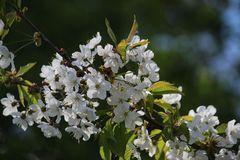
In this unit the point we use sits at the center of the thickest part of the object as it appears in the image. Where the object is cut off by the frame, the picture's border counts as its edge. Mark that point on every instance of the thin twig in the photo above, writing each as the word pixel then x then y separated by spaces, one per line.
pixel 35 28
pixel 17 81
pixel 152 121
pixel 20 41
pixel 25 45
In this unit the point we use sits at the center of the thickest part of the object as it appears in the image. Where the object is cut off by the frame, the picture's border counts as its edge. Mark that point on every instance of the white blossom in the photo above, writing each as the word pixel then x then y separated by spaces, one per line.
pixel 70 80
pixel 135 153
pixel 232 132
pixel 149 68
pixel 173 98
pixel 225 154
pixel 1 26
pixel 119 93
pixel 120 112
pixel 203 121
pixel 22 120
pixel 97 86
pixel 132 54
pixel 85 130
pixel 35 112
pixel 83 58
pixel 86 56
pixel 6 57
pixel 133 118
pixel 112 60
pixel 10 104
pixel 94 41
pixel 144 142
pixel 49 130
pixel 76 100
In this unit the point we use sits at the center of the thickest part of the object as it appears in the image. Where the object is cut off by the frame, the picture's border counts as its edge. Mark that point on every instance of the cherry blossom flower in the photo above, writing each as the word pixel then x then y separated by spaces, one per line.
pixel 144 142
pixel 10 104
pixel 49 131
pixel 6 57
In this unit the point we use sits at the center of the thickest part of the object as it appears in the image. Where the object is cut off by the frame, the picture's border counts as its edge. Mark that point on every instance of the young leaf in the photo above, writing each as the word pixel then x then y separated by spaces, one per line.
pixel 4 33
pixel 122 136
pixel 121 49
pixel 122 46
pixel 161 103
pixel 160 149
pixel 141 43
pixel 10 18
pixel 148 101
pixel 221 128
pixel 128 151
pixel 163 87
pixel 164 116
pixel 105 153
pixel 110 32
pixel 21 96
pixel 187 118
pixel 133 31
pixel 25 69
pixel 25 95
pixel 155 132
pixel 105 149
pixel 2 8
pixel 19 3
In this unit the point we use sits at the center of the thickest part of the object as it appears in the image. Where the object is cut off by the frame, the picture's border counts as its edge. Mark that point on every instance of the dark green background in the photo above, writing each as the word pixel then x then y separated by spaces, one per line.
pixel 69 23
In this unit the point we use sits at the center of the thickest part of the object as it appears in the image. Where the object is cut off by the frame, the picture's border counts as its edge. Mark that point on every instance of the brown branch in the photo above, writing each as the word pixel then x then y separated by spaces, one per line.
pixel 19 81
pixel 21 14
pixel 153 122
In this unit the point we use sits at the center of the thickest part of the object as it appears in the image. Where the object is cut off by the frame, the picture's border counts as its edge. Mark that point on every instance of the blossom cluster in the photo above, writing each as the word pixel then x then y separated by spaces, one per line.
pixel 74 90
pixel 203 131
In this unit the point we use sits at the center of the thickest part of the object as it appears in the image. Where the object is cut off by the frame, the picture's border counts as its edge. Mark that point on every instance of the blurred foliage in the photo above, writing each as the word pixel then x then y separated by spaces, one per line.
pixel 69 23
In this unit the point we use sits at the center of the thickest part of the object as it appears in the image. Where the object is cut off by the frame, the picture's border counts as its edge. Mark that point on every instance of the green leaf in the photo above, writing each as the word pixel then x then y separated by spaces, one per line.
pixel 160 150
pixel 187 118
pixel 141 43
pixel 121 49
pixel 110 32
pixel 105 153
pixel 2 8
pixel 4 33
pixel 21 96
pixel 164 105
pixel 163 87
pixel 25 69
pixel 122 46
pixel 10 18
pixel 155 132
pixel 115 139
pixel 19 3
pixel 133 31
pixel 128 151
pixel 26 96
pixel 105 149
pixel 183 130
pixel 2 72
pixel 3 78
pixel 221 128
pixel 122 135
pixel 148 101
pixel 164 116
